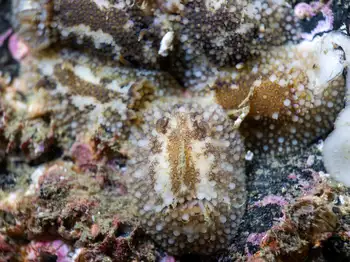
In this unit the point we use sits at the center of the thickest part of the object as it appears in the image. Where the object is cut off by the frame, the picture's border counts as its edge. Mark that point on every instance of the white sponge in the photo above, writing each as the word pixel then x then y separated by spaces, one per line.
pixel 336 149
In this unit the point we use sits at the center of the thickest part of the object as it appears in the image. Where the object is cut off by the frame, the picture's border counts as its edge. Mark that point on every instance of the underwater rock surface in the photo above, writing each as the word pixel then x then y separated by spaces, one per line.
pixel 171 130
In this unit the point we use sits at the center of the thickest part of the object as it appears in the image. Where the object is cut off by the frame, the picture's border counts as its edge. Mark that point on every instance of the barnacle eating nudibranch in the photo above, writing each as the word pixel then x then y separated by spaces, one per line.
pixel 186 38
pixel 72 97
pixel 187 175
pixel 185 170
pixel 295 93
pixel 122 30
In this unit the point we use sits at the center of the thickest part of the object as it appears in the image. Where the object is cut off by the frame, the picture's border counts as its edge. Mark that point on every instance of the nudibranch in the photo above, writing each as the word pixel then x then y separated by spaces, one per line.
pixel 122 30
pixel 295 93
pixel 79 98
pixel 186 170
pixel 187 175
pixel 175 36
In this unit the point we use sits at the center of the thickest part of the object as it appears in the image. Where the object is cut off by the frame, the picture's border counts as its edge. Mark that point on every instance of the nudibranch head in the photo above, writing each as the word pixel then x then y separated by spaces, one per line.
pixel 187 176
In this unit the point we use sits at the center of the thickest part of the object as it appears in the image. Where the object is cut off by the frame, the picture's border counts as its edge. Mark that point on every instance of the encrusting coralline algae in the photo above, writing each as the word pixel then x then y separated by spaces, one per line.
pixel 154 105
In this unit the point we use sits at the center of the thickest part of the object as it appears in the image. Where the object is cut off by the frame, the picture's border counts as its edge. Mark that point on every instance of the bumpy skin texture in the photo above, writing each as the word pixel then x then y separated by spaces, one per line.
pixel 296 92
pixel 206 33
pixel 80 99
pixel 83 100
pixel 114 29
pixel 231 31
pixel 187 176
pixel 186 171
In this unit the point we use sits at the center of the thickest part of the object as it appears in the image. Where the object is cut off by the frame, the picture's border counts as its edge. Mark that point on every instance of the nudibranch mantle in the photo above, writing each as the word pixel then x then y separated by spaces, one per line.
pixel 187 175
pixel 297 90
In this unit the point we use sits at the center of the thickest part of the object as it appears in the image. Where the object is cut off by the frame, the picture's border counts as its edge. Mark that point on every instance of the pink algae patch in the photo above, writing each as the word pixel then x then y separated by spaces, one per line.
pixel 17 47
pixel 4 36
pixel 56 247
pixel 271 199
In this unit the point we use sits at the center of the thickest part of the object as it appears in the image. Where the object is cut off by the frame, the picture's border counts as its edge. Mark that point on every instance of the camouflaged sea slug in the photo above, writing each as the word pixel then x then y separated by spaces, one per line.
pixel 295 93
pixel 204 34
pixel 185 167
pixel 185 170
pixel 187 175
pixel 79 99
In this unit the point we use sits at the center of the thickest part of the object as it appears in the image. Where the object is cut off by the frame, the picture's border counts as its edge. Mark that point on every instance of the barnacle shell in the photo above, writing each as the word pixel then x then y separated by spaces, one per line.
pixel 186 175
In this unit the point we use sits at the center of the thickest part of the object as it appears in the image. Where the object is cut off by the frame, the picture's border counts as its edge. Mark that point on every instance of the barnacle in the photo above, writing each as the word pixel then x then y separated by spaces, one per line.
pixel 186 175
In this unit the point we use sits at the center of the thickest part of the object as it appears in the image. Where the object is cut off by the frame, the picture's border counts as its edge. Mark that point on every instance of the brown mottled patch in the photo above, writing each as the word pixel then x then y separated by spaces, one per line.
pixel 229 93
pixel 156 146
pixel 152 172
pixel 46 83
pixel 181 163
pixel 77 86
pixel 141 93
pixel 109 21
pixel 267 99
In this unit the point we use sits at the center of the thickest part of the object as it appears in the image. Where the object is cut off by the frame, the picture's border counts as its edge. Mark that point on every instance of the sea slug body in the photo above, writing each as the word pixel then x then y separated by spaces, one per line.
pixel 188 39
pixel 187 175
pixel 296 93
pixel 81 99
